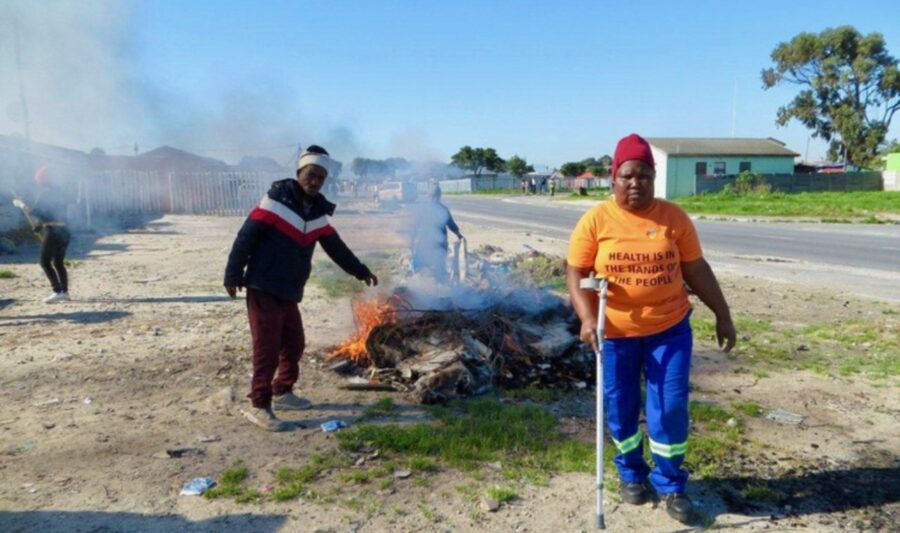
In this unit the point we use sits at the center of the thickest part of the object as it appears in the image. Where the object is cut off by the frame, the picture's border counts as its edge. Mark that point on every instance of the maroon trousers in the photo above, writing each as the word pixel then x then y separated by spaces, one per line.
pixel 278 342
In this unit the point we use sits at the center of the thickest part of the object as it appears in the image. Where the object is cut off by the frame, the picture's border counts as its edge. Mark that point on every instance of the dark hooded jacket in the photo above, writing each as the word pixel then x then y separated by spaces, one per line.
pixel 274 248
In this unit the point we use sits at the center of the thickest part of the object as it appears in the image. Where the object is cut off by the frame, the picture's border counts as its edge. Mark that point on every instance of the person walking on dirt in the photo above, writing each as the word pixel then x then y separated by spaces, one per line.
pixel 429 243
pixel 49 217
pixel 647 248
pixel 275 246
pixel 552 185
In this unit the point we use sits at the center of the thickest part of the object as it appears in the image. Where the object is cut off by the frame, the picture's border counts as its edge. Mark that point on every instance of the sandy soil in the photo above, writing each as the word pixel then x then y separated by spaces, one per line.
pixel 150 354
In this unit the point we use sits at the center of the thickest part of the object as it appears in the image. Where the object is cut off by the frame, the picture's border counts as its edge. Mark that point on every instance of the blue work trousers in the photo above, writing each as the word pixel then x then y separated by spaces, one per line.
pixel 664 362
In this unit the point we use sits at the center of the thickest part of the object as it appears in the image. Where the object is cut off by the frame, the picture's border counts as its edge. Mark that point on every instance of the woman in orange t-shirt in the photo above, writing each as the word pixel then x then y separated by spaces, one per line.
pixel 648 249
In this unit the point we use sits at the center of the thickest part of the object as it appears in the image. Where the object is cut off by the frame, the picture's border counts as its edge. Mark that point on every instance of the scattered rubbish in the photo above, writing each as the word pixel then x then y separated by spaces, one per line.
pixel 87 400
pixel 267 488
pixel 361 384
pixel 45 403
pixel 7 422
pixel 498 466
pixel 785 417
pixel 731 422
pixel 402 474
pixel 803 348
pixel 208 438
pixel 333 425
pixel 197 486
pixel 26 447
pixel 183 452
pixel 48 425
pixel 340 366
pixel 148 280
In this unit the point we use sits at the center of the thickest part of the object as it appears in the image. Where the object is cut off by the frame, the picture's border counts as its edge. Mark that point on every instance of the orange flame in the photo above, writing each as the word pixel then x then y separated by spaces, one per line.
pixel 367 315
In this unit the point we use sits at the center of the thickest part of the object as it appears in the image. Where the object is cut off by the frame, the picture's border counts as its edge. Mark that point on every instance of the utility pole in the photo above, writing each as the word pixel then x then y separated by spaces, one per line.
pixel 16 46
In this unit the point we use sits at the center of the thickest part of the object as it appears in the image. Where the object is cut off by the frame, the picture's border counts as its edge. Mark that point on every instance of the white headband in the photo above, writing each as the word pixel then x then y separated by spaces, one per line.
pixel 309 158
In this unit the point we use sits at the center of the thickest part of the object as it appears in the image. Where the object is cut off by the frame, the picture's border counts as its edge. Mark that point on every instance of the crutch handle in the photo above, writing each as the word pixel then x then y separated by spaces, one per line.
pixel 594 284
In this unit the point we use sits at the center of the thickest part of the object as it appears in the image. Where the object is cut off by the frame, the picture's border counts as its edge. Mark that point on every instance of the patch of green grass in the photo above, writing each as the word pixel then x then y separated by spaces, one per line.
pixel 292 481
pixel 7 274
pixel 713 443
pixel 69 263
pixel 542 270
pixel 352 503
pixel 427 513
pixel 384 406
pixel 465 434
pixel 501 494
pixel 469 491
pixel 535 394
pixel 708 413
pixel 249 496
pixel 760 374
pixel 422 464
pixel 358 477
pixel 748 408
pixel 230 483
pixel 860 205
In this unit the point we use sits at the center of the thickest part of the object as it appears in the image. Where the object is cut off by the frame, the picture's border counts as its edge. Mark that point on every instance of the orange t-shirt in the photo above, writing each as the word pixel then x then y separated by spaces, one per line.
pixel 641 253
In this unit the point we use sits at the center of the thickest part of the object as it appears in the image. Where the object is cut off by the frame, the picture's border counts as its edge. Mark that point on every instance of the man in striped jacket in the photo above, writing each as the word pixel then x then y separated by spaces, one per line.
pixel 272 258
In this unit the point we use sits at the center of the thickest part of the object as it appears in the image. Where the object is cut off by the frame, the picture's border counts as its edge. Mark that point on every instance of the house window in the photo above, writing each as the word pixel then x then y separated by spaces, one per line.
pixel 719 168
pixel 744 166
pixel 700 168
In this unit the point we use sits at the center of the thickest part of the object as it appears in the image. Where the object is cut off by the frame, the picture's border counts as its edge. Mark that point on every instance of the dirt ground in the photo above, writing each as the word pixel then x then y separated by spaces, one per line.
pixel 150 355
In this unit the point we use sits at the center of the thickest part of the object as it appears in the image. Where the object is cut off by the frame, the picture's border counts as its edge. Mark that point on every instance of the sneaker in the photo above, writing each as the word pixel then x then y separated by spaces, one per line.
pixel 56 297
pixel 290 402
pixel 634 493
pixel 264 418
pixel 680 507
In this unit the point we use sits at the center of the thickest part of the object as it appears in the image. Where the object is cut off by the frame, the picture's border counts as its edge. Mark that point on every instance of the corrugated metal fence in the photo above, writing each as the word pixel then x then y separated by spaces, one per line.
pixel 195 193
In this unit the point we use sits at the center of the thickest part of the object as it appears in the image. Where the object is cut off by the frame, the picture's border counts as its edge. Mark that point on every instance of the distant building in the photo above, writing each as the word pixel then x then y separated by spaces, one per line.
pixel 892 162
pixel 681 161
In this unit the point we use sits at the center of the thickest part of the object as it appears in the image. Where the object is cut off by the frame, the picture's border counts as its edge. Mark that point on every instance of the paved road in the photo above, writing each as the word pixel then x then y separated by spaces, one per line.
pixel 863 259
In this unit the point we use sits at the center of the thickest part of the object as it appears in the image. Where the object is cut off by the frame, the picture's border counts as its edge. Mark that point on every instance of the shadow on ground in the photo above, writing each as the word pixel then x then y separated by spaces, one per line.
pixel 85 242
pixel 22 521
pixel 204 299
pixel 78 317
pixel 813 492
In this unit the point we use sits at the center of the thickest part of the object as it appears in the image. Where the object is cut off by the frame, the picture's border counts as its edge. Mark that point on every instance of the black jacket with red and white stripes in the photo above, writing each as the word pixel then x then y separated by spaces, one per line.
pixel 276 243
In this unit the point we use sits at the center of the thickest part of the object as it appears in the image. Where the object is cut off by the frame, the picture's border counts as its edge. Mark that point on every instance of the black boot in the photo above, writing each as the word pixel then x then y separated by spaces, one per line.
pixel 679 507
pixel 634 493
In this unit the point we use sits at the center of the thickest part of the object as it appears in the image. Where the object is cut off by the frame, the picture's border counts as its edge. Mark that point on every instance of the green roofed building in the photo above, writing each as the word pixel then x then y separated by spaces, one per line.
pixel 681 160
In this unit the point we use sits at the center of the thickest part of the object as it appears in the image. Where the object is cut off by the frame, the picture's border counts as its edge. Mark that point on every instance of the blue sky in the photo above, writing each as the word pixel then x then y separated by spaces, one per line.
pixel 551 81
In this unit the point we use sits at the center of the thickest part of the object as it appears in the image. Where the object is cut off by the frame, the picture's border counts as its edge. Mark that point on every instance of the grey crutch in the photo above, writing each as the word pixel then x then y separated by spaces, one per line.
pixel 599 285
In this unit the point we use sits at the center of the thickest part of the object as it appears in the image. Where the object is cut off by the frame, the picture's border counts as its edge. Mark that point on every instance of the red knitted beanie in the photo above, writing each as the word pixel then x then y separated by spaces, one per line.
pixel 632 148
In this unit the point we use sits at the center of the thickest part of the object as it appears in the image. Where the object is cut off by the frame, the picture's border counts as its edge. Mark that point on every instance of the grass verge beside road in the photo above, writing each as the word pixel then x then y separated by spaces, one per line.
pixel 860 206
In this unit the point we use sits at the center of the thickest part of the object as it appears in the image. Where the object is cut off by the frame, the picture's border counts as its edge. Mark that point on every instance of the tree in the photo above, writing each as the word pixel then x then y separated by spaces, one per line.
pixel 477 160
pixel 852 89
pixel 597 170
pixel 572 169
pixel 518 167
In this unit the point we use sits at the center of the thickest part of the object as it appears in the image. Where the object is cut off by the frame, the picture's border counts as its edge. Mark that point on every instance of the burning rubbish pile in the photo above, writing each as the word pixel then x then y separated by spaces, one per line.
pixel 464 340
